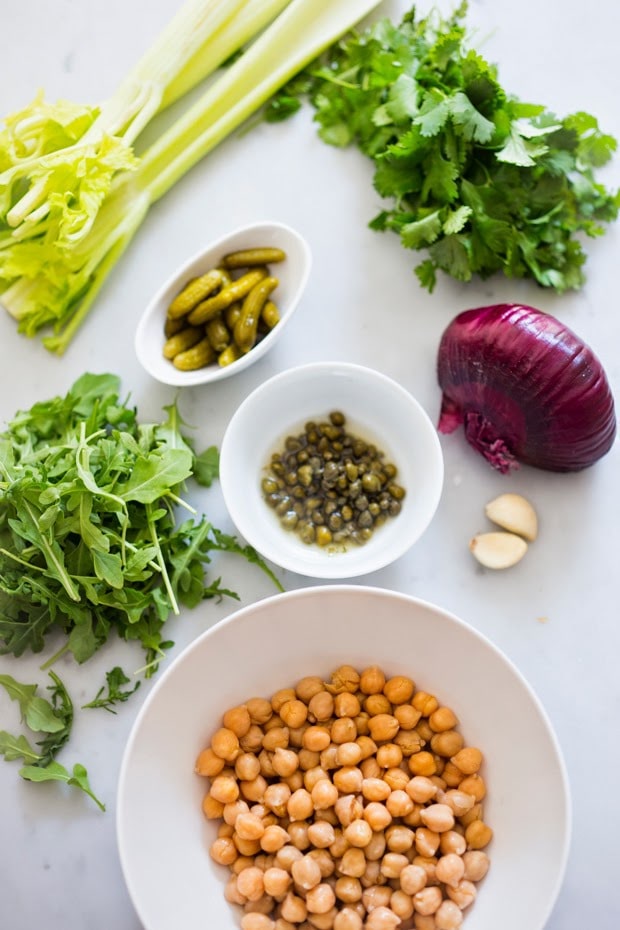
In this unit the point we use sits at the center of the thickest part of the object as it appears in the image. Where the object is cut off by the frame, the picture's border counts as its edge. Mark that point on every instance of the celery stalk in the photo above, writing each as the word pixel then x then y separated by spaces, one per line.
pixel 57 275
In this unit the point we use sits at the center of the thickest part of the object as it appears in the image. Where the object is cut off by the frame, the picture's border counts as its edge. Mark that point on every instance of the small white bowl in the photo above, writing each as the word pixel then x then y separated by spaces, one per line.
pixel 378 410
pixel 291 273
pixel 163 837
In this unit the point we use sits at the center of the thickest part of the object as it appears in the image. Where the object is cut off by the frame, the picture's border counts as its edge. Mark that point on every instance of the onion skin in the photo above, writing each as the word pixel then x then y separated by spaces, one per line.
pixel 525 388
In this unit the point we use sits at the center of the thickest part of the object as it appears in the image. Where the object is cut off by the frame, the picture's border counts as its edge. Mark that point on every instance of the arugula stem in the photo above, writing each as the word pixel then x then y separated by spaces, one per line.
pixel 160 558
pixel 53 659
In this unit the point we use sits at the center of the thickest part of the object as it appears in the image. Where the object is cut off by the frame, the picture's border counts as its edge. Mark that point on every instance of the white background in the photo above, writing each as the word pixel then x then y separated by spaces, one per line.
pixel 58 860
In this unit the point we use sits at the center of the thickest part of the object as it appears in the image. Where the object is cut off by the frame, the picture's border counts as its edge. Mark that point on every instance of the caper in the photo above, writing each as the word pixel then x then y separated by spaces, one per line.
pixel 361 502
pixel 396 491
pixel 290 520
pixel 269 485
pixel 304 475
pixel 370 482
pixel 337 418
pixel 323 536
pixel 365 519
pixel 306 532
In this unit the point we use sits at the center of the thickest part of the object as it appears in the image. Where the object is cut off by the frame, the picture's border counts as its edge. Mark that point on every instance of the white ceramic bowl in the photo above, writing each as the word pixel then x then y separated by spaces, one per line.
pixel 377 409
pixel 291 273
pixel 162 836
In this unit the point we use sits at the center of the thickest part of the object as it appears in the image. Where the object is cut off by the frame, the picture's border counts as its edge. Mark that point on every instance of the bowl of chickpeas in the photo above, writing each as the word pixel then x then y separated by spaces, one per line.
pixel 331 469
pixel 343 757
pixel 225 307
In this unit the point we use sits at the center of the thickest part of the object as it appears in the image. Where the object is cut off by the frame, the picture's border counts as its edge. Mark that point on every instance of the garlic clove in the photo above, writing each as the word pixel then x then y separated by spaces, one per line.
pixel 498 550
pixel 514 513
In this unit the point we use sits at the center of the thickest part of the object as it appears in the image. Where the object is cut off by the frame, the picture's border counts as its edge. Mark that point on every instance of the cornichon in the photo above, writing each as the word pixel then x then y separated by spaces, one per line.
pixel 236 290
pixel 196 291
pixel 197 356
pixel 247 257
pixel 246 326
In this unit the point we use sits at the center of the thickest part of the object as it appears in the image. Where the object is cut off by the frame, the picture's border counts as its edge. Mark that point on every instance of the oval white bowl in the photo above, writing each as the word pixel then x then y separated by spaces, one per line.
pixel 292 275
pixel 163 837
pixel 377 408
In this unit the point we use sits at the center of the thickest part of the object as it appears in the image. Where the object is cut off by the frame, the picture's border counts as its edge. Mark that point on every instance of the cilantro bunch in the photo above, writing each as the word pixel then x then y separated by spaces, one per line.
pixel 89 541
pixel 478 179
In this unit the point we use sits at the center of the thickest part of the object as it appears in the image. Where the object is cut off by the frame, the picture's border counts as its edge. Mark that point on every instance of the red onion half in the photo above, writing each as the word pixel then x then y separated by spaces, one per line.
pixel 526 389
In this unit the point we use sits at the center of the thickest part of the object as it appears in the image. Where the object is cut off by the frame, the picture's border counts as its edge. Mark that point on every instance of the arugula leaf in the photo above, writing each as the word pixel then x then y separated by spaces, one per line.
pixel 479 180
pixel 17 747
pixel 116 680
pixel 57 772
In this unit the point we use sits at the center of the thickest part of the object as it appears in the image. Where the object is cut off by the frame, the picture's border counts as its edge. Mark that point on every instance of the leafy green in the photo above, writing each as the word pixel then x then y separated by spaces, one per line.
pixel 116 679
pixel 89 541
pixel 52 718
pixel 479 180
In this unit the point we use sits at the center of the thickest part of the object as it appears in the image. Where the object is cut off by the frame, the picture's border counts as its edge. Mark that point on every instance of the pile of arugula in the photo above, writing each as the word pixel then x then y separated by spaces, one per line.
pixel 89 545
pixel 480 180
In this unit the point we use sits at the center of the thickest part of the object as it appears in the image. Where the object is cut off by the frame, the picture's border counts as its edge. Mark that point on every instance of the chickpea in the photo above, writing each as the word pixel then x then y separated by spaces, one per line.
pixel 450 869
pixel 253 739
pixel 307 687
pixel 399 838
pixel 321 706
pixel 225 829
pixel 246 847
pixel 347 919
pixel 427 900
pixel 390 755
pixel 371 768
pixel 476 865
pixel 294 713
pixel 382 918
pixel 376 896
pixel 358 833
pixel 452 842
pixel 276 738
pixel 426 703
pixel 320 899
pixel 348 779
pixel 306 873
pixel 353 863
pixel 321 921
pixel 367 746
pixel 372 680
pixel 285 762
pixel 421 789
pixel 343 730
pixel 402 904
pixel 294 781
pixel 293 908
pixel 375 789
pixel 223 850
pixel 208 763
pixel 225 744
pixel 345 678
pixel 316 738
pixel 407 715
pixel 442 719
pixel 474 785
pixel 478 835
pixel 349 754
pixel 413 819
pixel 238 720
pixel 232 895
pixel 413 878
pixel 346 705
pixel 376 704
pixel 423 730
pixel 422 763
pixel 298 832
pixel 250 883
pixel 276 881
pixel 255 921
pixel 420 922
pixel 459 801
pixel 274 838
pixel 372 875
pixel 308 759
pixel 392 864
pixel 249 827
pixel 399 689
pixel 468 760
pixel 211 808
pixel 254 790
pixel 348 890
pixel 299 805
pixel 247 766
pixel 324 794
pixel 340 844
pixel 286 856
pixel 321 834
pixel 447 743
pixel 231 811
pixel 377 815
pixel 329 757
pixel 448 916
pixel 399 804
pixel 409 742
pixel 396 778
pixel 259 709
pixel 463 894
pixel 240 863
pixel 426 841
pixel 376 848
pixel 438 817
pixel 224 788
pixel 266 764
pixel 280 697
pixel 361 723
pixel 474 814
pixel 348 808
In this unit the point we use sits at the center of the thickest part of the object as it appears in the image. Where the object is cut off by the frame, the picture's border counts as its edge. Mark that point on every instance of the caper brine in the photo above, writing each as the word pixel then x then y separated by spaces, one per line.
pixel 330 487
pixel 221 315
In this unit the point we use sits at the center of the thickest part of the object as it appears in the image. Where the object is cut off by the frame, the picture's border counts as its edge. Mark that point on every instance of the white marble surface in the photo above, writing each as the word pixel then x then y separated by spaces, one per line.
pixel 58 861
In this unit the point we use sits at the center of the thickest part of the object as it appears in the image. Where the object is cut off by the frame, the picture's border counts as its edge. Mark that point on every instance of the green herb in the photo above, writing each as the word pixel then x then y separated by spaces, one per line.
pixel 53 719
pixel 478 179
pixel 89 542
pixel 116 680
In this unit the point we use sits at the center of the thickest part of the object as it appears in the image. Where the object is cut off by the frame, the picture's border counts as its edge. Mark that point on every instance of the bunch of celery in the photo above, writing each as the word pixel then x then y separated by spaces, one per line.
pixel 72 190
